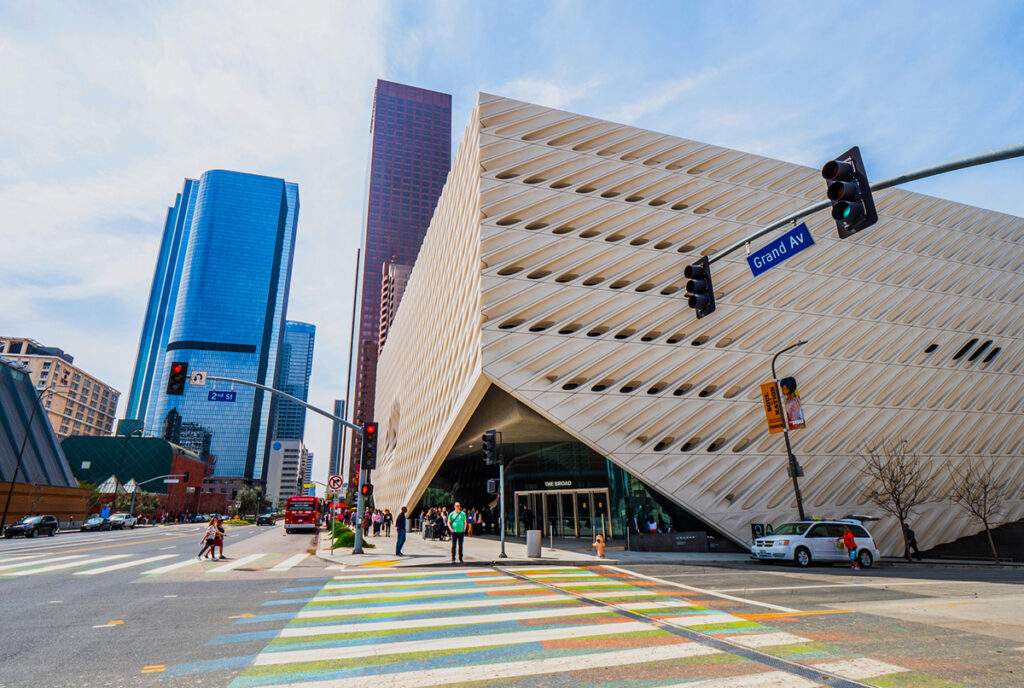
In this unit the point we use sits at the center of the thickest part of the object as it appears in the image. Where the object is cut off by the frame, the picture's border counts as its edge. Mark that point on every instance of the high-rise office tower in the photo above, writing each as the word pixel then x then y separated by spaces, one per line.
pixel 296 366
pixel 218 302
pixel 334 467
pixel 411 130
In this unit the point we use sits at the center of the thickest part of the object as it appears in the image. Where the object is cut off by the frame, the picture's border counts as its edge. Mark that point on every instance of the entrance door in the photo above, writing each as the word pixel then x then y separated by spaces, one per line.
pixel 552 516
pixel 584 514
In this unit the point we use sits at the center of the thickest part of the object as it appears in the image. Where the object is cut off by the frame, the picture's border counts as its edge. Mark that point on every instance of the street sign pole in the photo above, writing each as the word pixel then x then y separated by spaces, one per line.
pixel 357 546
pixel 793 466
pixel 501 492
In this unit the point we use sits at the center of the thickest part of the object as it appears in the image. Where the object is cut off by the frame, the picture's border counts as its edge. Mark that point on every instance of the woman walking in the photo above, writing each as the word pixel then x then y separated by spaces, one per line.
pixel 208 539
pixel 218 541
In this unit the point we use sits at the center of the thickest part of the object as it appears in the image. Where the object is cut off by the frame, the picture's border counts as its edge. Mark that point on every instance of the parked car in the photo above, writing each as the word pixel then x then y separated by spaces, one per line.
pixel 96 523
pixel 267 519
pixel 30 526
pixel 805 542
pixel 122 521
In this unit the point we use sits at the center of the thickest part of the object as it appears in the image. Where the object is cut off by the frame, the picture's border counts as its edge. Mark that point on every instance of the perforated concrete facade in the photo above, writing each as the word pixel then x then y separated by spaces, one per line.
pixel 553 269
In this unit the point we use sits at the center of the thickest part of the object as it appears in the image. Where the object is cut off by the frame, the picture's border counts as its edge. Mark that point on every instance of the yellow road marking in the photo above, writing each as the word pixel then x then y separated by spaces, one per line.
pixel 153 669
pixel 110 624
pixel 379 563
pixel 813 612
pixel 123 544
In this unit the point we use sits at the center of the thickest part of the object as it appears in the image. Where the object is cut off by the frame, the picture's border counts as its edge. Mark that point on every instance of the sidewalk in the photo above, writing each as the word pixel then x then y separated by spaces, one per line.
pixel 484 549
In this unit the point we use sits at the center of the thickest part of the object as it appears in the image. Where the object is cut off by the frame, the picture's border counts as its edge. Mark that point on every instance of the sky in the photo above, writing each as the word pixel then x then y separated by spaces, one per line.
pixel 106 107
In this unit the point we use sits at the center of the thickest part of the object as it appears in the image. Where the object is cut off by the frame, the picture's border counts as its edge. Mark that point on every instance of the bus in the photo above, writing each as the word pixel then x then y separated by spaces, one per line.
pixel 301 513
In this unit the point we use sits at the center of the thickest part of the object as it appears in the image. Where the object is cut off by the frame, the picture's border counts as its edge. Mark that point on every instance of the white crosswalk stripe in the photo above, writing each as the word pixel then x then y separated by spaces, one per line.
pixel 123 565
pixel 171 567
pixel 39 560
pixel 234 564
pixel 69 564
pixel 291 561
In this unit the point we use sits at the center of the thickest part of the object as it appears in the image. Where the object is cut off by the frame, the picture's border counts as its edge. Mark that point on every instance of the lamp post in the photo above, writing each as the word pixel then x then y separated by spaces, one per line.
pixel 131 511
pixel 21 452
pixel 793 466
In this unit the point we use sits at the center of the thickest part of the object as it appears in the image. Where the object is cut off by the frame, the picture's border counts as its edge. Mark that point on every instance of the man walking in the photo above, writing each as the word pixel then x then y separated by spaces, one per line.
pixel 400 530
pixel 911 537
pixel 457 526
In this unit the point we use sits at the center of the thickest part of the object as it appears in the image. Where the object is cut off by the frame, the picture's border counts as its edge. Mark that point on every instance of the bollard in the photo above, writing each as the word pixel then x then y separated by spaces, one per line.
pixel 533 542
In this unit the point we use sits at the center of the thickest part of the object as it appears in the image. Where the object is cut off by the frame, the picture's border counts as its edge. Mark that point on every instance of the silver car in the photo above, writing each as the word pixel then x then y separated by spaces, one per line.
pixel 805 542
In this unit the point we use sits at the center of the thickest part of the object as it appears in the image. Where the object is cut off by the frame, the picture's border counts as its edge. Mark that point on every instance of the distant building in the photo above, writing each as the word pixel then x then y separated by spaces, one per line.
pixel 296 367
pixel 337 437
pixel 307 476
pixel 411 130
pixel 218 302
pixel 44 483
pixel 285 470
pixel 396 276
pixel 79 404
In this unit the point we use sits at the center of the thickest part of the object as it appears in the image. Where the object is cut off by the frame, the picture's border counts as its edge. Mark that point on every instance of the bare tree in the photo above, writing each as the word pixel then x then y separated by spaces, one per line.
pixel 895 481
pixel 977 490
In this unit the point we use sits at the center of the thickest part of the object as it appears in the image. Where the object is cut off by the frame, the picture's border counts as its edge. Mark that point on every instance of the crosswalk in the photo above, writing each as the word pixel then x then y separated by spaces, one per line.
pixel 148 565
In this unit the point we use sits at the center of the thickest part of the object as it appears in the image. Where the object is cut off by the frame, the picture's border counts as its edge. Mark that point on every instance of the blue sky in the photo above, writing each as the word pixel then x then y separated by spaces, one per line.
pixel 105 107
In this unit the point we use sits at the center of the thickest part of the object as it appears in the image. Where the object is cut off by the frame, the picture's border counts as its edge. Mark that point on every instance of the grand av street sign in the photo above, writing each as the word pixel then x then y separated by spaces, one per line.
pixel 783 248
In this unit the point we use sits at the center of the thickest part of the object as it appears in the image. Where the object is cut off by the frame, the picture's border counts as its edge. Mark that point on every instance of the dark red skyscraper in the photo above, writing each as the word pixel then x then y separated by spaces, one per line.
pixel 411 130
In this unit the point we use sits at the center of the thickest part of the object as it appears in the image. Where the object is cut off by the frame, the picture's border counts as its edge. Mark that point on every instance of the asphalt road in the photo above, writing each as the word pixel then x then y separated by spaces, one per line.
pixel 71 627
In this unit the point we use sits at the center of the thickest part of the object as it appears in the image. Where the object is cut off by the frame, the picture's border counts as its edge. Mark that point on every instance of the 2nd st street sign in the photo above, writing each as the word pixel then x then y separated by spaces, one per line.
pixel 783 248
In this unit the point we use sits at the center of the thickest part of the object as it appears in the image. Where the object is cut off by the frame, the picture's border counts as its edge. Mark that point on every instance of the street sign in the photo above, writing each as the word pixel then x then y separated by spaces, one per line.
pixel 220 395
pixel 309 484
pixel 335 482
pixel 170 480
pixel 772 407
pixel 783 248
pixel 197 377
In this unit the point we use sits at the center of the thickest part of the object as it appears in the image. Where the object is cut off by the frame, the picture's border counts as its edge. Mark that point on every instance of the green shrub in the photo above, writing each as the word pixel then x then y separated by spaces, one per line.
pixel 345 537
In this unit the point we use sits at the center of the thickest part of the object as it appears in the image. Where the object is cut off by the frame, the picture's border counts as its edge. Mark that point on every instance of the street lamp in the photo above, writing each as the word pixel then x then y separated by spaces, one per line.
pixel 131 510
pixel 793 466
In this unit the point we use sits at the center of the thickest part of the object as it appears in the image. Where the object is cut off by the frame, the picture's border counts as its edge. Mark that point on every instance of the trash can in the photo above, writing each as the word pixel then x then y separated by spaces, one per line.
pixel 533 544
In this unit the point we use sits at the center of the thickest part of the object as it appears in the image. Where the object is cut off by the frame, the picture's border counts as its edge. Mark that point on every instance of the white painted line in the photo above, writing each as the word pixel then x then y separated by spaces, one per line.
pixel 467 604
pixel 619 593
pixel 417 584
pixel 168 547
pixel 40 560
pixel 303 631
pixel 691 620
pixel 503 670
pixel 703 591
pixel 765 639
pixel 418 574
pixel 69 564
pixel 290 562
pixel 835 585
pixel 856 669
pixel 339 567
pixel 545 576
pixel 171 567
pixel 232 565
pixel 767 679
pixel 449 643
pixel 6 560
pixel 56 601
pixel 426 593
pixel 588 584
pixel 124 565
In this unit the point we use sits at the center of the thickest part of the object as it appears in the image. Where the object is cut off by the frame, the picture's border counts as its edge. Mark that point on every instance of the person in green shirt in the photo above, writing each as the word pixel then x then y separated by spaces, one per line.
pixel 457 526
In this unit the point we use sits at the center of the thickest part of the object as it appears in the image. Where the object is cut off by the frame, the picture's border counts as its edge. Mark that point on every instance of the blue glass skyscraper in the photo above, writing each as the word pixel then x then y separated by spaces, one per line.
pixel 218 302
pixel 296 366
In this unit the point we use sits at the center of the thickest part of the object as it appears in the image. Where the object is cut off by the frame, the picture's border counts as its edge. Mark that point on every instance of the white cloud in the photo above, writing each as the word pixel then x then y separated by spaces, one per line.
pixel 551 93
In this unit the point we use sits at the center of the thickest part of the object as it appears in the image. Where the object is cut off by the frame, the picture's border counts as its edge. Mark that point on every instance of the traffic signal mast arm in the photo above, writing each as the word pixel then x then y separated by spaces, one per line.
pixel 960 163
pixel 289 397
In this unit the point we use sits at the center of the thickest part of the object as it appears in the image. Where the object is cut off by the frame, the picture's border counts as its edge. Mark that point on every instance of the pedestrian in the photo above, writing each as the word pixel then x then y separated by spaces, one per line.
pixel 850 543
pixel 400 532
pixel 376 522
pixel 218 541
pixel 385 522
pixel 470 518
pixel 457 528
pixel 208 539
pixel 911 537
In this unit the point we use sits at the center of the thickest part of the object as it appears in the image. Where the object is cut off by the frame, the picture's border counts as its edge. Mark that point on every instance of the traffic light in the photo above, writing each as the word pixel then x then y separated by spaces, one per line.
pixel 370 446
pixel 700 293
pixel 177 379
pixel 853 208
pixel 367 489
pixel 491 447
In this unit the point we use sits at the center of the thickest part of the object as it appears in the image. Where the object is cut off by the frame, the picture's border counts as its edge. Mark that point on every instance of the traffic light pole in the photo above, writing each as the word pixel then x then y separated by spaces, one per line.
pixel 793 466
pixel 996 155
pixel 357 546
pixel 501 492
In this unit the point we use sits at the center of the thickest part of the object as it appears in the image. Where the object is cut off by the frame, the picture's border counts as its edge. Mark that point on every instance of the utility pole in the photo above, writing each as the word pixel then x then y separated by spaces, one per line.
pixel 501 491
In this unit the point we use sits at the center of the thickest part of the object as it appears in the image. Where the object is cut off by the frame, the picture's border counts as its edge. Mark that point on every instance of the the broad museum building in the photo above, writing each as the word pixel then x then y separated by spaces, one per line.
pixel 547 303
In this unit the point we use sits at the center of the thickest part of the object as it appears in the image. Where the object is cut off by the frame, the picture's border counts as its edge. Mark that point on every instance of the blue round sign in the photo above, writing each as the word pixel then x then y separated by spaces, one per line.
pixel 277 445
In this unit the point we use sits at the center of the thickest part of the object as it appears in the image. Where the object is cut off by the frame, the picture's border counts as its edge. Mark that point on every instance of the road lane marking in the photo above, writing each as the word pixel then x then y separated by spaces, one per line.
pixel 171 567
pixel 123 565
pixel 69 564
pixel 418 594
pixel 169 547
pixel 125 544
pixel 449 643
pixel 468 604
pixel 417 584
pixel 858 668
pixel 231 566
pixel 290 562
pixel 37 561
pixel 416 574
pixel 110 624
pixel 861 584
pixel 777 615
pixel 767 679
pixel 434 621
pixel 153 668
pixel 766 639
pixel 506 670
pixel 702 591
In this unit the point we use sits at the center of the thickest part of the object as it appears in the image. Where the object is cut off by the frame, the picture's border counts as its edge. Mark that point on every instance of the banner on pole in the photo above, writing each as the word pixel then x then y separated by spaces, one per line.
pixel 772 407
pixel 791 405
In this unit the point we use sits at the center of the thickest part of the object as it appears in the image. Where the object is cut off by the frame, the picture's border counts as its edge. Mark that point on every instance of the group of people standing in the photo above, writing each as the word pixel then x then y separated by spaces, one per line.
pixel 435 522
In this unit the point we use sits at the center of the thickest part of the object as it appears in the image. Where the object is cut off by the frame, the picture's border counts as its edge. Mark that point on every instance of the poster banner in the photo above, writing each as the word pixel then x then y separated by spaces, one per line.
pixel 772 408
pixel 791 404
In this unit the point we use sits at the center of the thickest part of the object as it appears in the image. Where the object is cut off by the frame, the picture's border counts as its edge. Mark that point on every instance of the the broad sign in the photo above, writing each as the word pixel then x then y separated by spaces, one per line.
pixel 786 246
pixel 197 377
pixel 220 395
